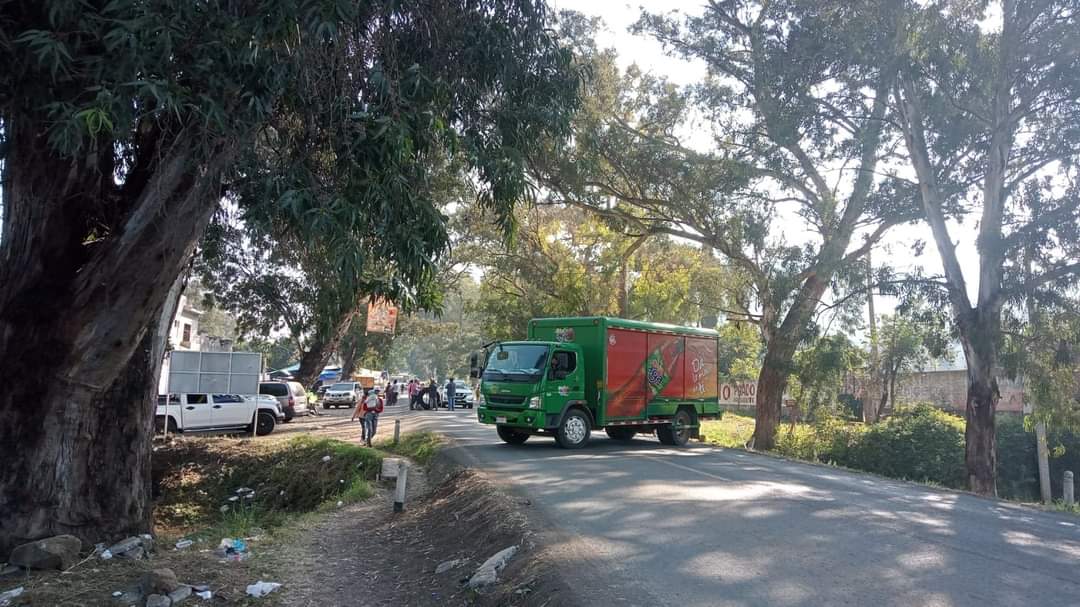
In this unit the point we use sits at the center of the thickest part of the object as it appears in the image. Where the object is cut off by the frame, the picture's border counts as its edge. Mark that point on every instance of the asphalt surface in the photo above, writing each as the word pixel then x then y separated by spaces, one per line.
pixel 654 525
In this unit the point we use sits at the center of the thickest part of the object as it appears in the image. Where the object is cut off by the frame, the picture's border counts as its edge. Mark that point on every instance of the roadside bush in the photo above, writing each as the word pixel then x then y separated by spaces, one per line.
pixel 1017 463
pixel 919 443
pixel 829 440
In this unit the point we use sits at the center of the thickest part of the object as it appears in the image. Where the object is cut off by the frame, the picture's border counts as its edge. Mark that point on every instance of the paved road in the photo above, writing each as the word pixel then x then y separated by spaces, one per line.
pixel 708 526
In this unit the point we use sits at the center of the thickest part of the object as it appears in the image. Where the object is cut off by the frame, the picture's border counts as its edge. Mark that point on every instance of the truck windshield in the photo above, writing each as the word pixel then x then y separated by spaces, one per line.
pixel 516 362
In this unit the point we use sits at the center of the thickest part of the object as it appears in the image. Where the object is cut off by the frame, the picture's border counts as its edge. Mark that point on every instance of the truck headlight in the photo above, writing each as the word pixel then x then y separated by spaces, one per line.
pixel 534 402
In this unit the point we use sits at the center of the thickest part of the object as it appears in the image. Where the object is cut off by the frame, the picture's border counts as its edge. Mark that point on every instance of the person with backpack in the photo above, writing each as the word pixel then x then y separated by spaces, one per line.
pixel 372 407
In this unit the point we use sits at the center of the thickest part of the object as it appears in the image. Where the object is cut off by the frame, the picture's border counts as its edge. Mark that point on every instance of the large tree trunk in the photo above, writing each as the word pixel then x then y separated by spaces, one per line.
pixel 318 354
pixel 779 351
pixel 979 335
pixel 77 330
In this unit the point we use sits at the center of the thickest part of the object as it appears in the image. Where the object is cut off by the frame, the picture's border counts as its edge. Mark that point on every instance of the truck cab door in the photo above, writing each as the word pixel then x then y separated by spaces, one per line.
pixel 196 412
pixel 565 379
pixel 231 410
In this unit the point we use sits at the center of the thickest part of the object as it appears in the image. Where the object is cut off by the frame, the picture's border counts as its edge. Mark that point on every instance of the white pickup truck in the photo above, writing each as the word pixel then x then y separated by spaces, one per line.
pixel 218 413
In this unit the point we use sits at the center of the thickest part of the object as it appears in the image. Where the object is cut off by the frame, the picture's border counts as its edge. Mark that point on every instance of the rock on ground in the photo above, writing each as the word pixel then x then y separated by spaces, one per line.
pixel 158 600
pixel 488 573
pixel 180 594
pixel 57 552
pixel 160 581
pixel 134 547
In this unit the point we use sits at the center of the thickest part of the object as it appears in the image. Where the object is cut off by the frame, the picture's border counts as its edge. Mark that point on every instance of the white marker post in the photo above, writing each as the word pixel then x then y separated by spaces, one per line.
pixel 1067 489
pixel 397 430
pixel 399 488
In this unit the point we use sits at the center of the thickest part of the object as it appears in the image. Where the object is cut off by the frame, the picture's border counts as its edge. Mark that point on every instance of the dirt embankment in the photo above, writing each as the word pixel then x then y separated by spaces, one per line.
pixel 353 550
pixel 365 555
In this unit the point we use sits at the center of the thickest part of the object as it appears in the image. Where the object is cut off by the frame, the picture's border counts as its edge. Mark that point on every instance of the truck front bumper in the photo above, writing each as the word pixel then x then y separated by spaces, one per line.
pixel 534 419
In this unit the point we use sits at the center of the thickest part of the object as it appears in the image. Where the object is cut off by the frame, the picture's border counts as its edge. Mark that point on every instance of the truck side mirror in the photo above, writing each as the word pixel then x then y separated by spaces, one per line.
pixel 474 365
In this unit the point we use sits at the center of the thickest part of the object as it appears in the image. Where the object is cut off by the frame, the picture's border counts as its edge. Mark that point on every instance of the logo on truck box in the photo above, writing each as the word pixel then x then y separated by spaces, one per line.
pixel 564 335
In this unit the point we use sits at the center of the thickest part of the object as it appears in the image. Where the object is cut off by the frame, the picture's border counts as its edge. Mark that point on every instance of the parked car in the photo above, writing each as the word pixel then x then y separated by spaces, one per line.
pixel 343 394
pixel 254 413
pixel 463 395
pixel 290 394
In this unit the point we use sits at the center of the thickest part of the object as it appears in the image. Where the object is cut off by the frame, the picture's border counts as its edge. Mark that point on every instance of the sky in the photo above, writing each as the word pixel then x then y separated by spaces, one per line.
pixel 898 246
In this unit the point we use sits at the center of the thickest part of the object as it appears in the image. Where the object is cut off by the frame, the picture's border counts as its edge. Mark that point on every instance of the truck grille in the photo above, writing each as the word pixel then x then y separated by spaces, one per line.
pixel 506 400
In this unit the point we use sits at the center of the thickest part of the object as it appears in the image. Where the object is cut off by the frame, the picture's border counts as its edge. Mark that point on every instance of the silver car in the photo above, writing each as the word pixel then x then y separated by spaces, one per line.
pixel 291 395
pixel 342 394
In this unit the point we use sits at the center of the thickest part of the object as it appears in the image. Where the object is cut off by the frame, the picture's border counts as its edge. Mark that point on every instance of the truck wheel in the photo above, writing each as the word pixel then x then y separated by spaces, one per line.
pixel 620 433
pixel 574 430
pixel 326 406
pixel 264 423
pixel 677 433
pixel 512 436
pixel 159 425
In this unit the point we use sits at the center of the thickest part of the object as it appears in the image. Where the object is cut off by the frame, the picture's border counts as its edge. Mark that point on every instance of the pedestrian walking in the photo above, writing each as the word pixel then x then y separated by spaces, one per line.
pixel 450 394
pixel 414 391
pixel 392 394
pixel 358 413
pixel 372 407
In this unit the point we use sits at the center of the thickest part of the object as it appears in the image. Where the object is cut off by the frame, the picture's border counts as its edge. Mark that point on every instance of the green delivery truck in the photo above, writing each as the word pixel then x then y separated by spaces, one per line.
pixel 576 375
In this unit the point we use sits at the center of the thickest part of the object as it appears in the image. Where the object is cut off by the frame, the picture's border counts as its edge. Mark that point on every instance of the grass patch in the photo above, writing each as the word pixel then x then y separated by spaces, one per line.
pixel 733 430
pixel 418 446
pixel 1061 506
pixel 232 488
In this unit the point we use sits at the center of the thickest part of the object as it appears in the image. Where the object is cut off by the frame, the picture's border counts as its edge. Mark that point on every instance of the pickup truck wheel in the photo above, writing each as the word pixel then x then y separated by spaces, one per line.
pixel 620 432
pixel 264 423
pixel 512 436
pixel 159 425
pixel 574 430
pixel 677 433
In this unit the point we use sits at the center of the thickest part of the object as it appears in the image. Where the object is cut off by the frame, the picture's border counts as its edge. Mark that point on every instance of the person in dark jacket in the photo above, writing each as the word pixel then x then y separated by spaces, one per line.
pixel 433 395
pixel 450 394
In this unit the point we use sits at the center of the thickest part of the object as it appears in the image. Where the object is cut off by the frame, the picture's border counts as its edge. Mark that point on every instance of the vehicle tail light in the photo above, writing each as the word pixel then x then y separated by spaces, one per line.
pixel 292 402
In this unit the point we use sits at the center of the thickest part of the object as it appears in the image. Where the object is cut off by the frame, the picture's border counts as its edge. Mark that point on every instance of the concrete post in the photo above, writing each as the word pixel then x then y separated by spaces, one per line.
pixel 399 488
pixel 1068 489
pixel 397 430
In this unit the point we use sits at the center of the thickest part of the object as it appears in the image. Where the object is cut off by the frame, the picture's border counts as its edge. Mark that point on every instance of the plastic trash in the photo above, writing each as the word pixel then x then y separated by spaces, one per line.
pixel 260 589
pixel 205 595
pixel 117 593
pixel 105 554
pixel 340 503
pixel 10 595
pixel 180 545
pixel 326 458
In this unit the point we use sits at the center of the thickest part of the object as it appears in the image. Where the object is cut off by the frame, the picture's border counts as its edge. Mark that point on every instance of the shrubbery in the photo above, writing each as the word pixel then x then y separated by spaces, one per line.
pixel 920 443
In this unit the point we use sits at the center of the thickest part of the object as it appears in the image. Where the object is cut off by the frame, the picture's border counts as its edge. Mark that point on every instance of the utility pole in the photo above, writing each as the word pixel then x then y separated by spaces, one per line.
pixel 873 389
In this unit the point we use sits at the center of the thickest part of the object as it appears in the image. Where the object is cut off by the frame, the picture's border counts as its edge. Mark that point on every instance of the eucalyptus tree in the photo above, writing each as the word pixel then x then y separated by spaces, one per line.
pixel 123 125
pixel 793 192
pixel 990 112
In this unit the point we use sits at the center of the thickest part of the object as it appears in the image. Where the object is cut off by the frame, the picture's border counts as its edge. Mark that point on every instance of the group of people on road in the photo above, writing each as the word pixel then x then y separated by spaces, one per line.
pixel 417 391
